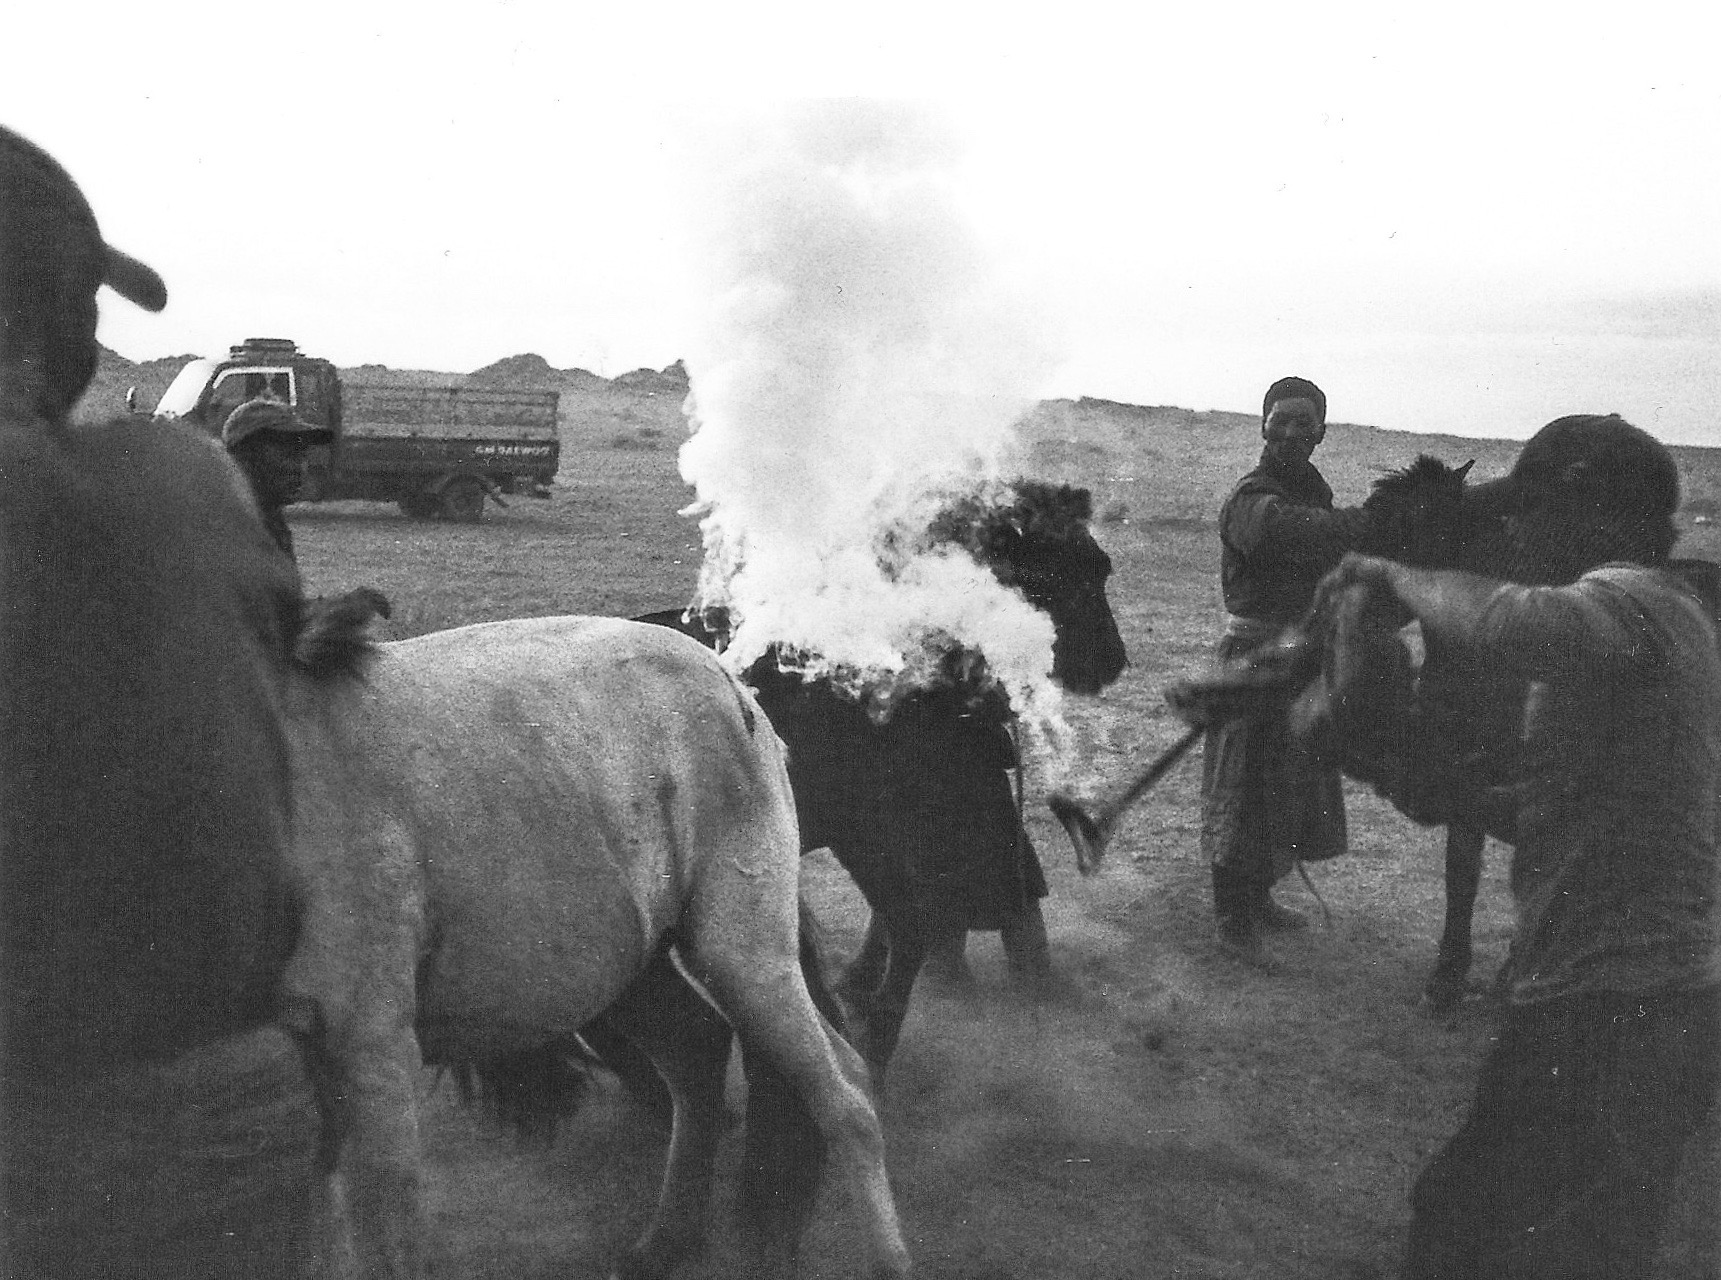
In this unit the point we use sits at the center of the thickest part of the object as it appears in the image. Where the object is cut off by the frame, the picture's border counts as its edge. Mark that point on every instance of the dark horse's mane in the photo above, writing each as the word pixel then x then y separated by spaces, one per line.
pixel 1003 527
pixel 1039 511
pixel 1426 472
pixel 1416 513
pixel 1038 517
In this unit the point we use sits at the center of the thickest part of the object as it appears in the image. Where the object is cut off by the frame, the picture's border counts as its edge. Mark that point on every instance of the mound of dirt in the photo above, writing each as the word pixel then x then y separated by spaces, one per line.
pixel 669 381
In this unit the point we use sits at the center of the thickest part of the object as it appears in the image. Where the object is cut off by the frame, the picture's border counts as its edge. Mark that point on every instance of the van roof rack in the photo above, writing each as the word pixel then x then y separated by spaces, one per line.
pixel 265 346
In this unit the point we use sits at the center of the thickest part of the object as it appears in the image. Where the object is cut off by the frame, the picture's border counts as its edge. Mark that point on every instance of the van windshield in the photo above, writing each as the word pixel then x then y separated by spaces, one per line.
pixel 182 393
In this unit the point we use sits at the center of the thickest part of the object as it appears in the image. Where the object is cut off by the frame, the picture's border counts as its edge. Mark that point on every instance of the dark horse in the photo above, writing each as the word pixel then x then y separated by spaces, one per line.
pixel 920 808
pixel 158 1120
pixel 1355 701
pixel 1465 710
pixel 1466 718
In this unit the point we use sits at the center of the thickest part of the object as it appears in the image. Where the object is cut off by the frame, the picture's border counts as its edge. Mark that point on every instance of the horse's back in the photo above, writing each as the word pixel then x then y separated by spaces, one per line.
pixel 568 785
pixel 604 691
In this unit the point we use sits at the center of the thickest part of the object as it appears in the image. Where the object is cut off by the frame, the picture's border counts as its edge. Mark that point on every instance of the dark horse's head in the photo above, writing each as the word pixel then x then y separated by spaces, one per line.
pixel 1428 514
pixel 1040 544
pixel 1416 514
pixel 146 623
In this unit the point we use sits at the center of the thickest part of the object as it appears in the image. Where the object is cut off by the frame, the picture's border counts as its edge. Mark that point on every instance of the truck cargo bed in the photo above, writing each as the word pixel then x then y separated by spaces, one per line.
pixel 448 412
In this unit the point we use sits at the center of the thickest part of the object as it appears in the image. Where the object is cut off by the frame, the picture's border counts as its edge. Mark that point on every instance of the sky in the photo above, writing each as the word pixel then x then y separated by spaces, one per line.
pixel 1468 219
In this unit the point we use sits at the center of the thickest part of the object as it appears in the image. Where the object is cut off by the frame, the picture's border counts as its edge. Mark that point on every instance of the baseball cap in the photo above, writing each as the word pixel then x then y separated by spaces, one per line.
pixel 53 262
pixel 267 415
pixel 1601 457
pixel 39 202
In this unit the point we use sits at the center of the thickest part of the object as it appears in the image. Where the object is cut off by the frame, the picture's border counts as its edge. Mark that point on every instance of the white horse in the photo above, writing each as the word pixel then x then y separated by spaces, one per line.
pixel 504 830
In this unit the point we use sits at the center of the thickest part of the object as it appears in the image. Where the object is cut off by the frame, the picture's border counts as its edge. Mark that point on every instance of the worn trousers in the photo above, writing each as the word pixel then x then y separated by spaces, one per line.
pixel 1567 1164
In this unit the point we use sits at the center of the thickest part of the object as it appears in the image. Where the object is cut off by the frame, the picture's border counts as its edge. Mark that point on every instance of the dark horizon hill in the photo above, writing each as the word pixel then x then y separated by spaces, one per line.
pixel 1160 462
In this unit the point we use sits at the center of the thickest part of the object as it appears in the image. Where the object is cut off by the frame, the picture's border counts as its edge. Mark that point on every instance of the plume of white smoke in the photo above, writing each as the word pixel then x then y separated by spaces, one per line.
pixel 861 365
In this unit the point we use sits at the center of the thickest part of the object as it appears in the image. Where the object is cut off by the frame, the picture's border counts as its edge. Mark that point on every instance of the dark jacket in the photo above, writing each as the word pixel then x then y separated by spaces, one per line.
pixel 275 521
pixel 1280 535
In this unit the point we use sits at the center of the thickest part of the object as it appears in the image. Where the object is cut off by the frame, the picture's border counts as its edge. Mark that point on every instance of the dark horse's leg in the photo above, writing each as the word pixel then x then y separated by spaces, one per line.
pixel 1445 986
pixel 866 970
pixel 947 959
pixel 881 1009
pixel 1026 948
pixel 1022 933
pixel 1027 952
pixel 688 1041
pixel 877 985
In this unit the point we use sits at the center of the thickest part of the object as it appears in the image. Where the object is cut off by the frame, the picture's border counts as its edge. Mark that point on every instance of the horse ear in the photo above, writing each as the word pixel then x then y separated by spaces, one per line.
pixel 1464 470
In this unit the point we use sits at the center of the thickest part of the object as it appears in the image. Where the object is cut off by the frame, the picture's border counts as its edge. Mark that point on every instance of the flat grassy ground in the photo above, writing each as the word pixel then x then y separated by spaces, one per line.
pixel 1171 1113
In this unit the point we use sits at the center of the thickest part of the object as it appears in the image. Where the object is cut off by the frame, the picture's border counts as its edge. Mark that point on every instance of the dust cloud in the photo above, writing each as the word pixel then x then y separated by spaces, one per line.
pixel 861 364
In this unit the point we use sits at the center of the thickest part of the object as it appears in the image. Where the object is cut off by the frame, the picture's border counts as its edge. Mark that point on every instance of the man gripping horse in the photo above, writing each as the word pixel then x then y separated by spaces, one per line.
pixel 1609 1052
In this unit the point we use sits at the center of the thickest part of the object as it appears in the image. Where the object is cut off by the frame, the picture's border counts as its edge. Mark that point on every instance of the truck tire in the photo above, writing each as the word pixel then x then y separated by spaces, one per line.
pixel 420 506
pixel 463 500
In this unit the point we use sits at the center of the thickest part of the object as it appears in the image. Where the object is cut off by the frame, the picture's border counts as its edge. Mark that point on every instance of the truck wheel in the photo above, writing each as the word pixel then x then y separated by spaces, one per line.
pixel 463 500
pixel 420 506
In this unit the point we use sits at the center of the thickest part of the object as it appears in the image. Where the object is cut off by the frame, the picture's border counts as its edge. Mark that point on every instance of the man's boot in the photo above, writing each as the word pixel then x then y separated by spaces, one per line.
pixel 1238 932
pixel 1273 918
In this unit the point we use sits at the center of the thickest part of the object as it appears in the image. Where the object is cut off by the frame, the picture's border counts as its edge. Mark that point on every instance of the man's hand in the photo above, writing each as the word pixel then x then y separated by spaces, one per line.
pixel 1378 578
pixel 1355 568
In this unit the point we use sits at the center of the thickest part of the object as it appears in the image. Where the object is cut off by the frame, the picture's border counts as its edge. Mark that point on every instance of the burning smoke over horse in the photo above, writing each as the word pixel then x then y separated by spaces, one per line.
pixel 861 368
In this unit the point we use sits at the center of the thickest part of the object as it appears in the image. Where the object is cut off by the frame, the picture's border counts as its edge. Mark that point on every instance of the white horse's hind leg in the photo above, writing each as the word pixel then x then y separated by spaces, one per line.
pixel 761 991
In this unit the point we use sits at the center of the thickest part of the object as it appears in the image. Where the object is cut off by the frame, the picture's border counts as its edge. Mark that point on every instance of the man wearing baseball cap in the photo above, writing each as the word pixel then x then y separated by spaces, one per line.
pixel 126 1149
pixel 1609 1051
pixel 269 443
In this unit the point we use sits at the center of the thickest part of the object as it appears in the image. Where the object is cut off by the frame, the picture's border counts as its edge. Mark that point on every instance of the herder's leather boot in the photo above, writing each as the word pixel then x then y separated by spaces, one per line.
pixel 1238 932
pixel 1272 917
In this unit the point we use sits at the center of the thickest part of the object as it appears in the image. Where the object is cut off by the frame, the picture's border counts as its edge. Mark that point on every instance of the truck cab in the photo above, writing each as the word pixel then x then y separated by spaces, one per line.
pixel 207 391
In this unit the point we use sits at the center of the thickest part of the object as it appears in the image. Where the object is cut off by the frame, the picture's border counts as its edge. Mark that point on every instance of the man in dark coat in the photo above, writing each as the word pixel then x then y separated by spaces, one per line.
pixel 1265 804
pixel 1609 1052
pixel 269 444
